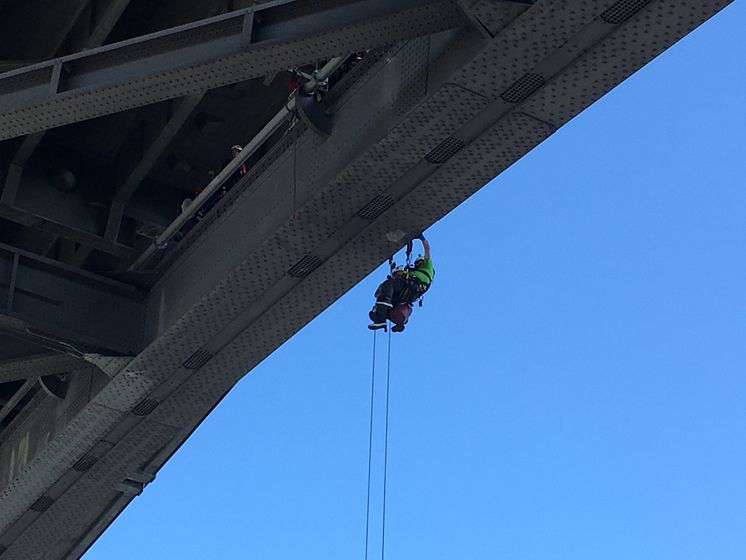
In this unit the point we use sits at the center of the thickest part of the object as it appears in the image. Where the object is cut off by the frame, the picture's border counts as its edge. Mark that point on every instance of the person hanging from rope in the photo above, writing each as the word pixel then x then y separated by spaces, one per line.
pixel 404 286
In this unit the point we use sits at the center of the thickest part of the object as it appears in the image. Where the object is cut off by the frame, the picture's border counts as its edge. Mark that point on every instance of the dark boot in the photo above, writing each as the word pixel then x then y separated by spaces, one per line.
pixel 397 328
pixel 380 312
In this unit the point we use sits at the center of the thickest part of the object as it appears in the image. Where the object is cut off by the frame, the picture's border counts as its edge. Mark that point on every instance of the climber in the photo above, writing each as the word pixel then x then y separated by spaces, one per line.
pixel 404 286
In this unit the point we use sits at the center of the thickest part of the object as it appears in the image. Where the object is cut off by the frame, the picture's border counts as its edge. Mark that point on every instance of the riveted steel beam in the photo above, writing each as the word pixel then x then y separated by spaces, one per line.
pixel 66 309
pixel 42 223
pixel 106 22
pixel 215 52
pixel 37 366
pixel 17 397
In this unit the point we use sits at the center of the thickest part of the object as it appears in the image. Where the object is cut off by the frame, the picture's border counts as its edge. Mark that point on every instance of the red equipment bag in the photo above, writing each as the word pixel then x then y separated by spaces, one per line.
pixel 400 313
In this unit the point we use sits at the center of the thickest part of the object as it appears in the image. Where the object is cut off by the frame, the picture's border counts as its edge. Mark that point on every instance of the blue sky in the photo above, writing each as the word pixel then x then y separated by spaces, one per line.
pixel 588 401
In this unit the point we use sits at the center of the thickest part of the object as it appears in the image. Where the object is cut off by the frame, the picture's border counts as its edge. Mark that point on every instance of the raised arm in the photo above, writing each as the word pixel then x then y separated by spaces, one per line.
pixel 425 245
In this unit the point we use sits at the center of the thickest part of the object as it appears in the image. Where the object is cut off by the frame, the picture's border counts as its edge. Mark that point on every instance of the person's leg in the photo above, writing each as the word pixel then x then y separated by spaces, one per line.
pixel 386 290
pixel 384 298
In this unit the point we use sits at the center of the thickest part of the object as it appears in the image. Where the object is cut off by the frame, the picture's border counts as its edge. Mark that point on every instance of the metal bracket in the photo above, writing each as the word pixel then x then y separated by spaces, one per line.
pixel 135 482
pixel 247 30
pixel 56 81
pixel 54 386
pixel 313 113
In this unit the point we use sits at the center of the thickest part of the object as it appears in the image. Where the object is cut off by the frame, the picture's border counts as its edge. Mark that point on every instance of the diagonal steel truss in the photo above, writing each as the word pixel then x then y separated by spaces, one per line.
pixel 248 43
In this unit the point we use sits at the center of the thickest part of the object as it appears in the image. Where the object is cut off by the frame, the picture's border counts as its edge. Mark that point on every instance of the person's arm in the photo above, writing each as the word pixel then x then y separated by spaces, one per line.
pixel 425 245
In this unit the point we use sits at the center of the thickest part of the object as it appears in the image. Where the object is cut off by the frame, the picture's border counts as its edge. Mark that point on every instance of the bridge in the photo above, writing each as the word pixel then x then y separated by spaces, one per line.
pixel 143 273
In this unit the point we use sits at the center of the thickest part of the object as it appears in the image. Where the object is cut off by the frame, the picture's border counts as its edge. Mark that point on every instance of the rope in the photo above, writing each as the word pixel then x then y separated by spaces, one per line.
pixel 370 444
pixel 386 448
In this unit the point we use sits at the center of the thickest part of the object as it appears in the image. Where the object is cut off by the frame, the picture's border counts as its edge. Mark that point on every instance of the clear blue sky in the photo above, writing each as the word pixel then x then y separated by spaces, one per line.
pixel 587 402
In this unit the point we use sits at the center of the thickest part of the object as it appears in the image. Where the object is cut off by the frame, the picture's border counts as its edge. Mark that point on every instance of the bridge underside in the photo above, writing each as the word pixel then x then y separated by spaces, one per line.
pixel 106 371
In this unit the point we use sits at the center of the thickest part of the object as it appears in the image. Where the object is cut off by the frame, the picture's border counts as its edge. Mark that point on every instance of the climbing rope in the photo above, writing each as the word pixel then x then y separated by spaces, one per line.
pixel 370 444
pixel 385 446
